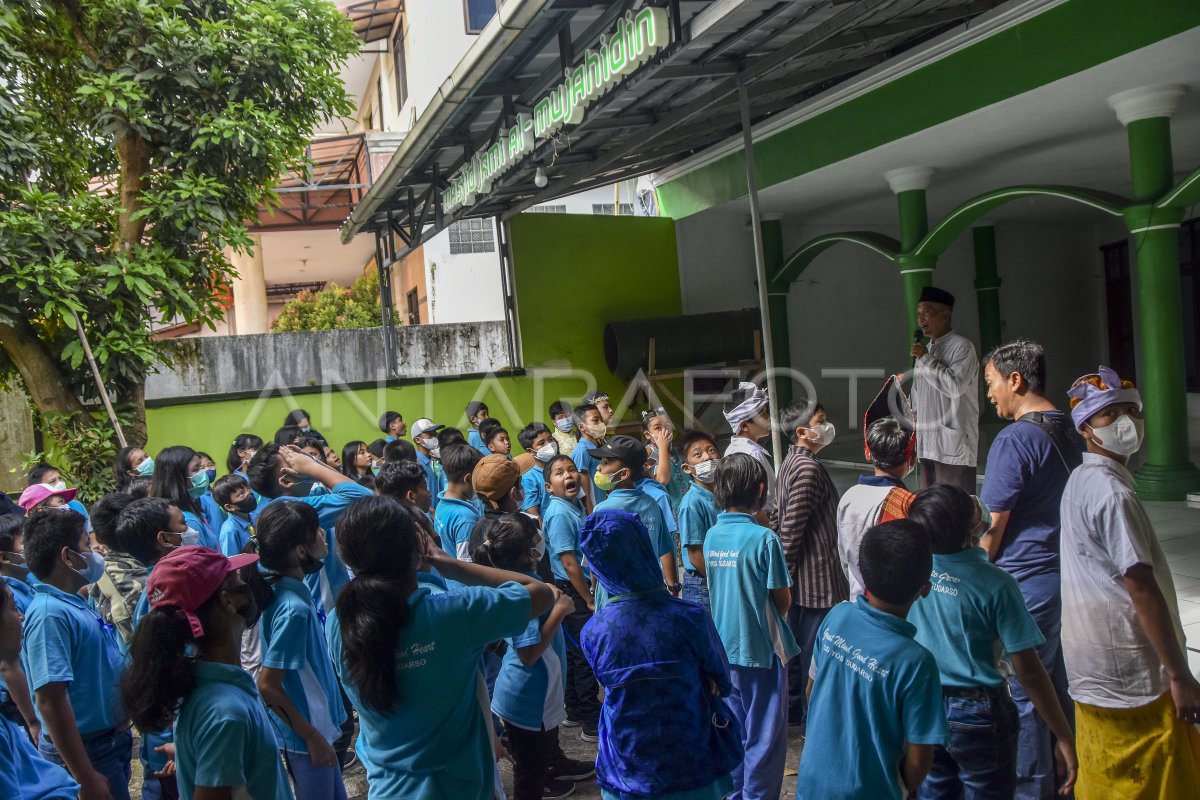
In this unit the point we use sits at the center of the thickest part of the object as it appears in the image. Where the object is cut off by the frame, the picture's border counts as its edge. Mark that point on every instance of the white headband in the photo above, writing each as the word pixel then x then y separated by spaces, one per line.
pixel 748 408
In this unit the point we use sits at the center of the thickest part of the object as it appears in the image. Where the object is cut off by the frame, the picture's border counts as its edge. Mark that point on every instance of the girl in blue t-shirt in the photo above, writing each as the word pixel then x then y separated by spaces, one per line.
pixel 409 658
pixel 297 680
pixel 185 657
pixel 179 477
pixel 530 688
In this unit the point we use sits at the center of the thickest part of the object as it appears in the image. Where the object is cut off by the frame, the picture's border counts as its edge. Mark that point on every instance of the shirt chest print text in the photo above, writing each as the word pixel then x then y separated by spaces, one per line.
pixel 411 656
pixel 941 583
pixel 723 558
pixel 852 657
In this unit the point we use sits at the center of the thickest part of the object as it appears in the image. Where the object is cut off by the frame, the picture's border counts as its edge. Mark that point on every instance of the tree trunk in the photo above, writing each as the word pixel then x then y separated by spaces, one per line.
pixel 133 156
pixel 44 379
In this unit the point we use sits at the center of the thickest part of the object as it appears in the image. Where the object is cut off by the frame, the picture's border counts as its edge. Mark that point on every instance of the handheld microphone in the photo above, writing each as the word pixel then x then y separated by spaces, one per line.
pixel 917 336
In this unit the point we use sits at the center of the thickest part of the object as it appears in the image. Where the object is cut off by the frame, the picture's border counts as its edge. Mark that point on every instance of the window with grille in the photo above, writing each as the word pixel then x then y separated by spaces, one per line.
pixel 555 209
pixel 472 236
pixel 610 209
pixel 401 70
pixel 413 305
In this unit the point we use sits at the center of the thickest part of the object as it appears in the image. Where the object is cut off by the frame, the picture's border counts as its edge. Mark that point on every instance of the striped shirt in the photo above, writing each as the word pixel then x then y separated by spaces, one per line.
pixel 807 523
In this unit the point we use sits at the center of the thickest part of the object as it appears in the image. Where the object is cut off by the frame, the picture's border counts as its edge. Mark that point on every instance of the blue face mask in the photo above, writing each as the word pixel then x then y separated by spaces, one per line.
pixel 211 473
pixel 302 486
pixel 146 468
pixel 199 484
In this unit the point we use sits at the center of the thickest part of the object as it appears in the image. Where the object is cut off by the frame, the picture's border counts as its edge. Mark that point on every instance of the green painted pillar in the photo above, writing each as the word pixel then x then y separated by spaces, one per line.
pixel 987 288
pixel 1154 234
pixel 777 306
pixel 909 185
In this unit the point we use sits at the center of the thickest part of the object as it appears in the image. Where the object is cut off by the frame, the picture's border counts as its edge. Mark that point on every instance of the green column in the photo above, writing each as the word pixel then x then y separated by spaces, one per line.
pixel 777 305
pixel 915 271
pixel 987 288
pixel 1167 474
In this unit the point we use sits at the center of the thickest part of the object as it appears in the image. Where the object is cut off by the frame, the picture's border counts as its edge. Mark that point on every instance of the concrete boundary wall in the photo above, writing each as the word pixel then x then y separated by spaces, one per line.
pixel 231 366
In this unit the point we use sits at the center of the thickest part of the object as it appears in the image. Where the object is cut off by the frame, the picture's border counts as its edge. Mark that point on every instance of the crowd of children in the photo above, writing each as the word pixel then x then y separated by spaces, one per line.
pixel 456 603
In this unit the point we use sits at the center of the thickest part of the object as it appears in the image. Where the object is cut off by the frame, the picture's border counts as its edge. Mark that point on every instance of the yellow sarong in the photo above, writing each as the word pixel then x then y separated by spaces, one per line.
pixel 1127 753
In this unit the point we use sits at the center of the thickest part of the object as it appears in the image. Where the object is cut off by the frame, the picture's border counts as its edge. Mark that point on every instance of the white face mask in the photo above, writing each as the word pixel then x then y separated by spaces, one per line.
pixel 93 566
pixel 59 485
pixel 564 424
pixel 1123 437
pixel 191 538
pixel 706 470
pixel 539 549
pixel 546 452
pixel 435 450
pixel 822 434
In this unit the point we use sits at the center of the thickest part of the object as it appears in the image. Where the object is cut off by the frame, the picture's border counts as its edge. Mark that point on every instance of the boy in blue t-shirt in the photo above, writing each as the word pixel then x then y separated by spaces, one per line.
pixel 26 773
pixel 562 521
pixel 976 606
pixel 750 595
pixel 697 511
pixel 622 462
pixel 591 429
pixel 456 512
pixel 73 660
pixel 539 442
pixel 658 431
pixel 232 493
pixel 874 692
pixel 477 412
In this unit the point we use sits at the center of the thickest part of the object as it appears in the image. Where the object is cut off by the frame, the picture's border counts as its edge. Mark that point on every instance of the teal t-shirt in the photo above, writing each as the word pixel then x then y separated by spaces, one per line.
pixel 533 483
pixel 67 642
pixel 533 697
pixel 208 538
pixel 22 595
pixel 874 688
pixel 434 742
pixel 236 533
pixel 973 605
pixel 697 513
pixel 224 738
pixel 658 493
pixel 293 639
pixel 586 462
pixel 454 520
pixel 561 522
pixel 744 562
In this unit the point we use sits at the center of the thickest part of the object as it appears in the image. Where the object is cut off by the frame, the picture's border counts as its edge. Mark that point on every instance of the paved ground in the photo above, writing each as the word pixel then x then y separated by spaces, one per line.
pixel 1177 526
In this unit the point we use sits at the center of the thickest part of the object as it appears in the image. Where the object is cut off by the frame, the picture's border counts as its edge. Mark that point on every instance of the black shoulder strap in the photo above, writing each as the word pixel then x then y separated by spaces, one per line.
pixel 1065 442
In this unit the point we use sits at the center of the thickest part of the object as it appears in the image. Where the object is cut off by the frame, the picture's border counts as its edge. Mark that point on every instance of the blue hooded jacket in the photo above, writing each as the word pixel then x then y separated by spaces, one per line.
pixel 661 728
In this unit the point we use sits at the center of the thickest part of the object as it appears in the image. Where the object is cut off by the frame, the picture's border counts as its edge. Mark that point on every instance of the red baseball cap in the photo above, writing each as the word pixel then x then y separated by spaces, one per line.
pixel 187 576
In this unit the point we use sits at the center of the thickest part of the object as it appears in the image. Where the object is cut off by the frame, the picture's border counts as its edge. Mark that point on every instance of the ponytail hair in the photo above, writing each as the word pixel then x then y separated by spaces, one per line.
pixel 378 540
pixel 244 441
pixel 161 675
pixel 503 541
pixel 281 528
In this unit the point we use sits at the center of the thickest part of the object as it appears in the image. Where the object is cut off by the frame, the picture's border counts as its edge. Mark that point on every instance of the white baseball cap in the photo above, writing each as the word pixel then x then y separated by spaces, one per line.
pixel 423 426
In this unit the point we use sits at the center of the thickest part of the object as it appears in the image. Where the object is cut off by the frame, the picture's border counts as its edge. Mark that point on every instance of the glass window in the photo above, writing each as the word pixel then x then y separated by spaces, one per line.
pixel 610 209
pixel 401 71
pixel 479 13
pixel 548 209
pixel 472 236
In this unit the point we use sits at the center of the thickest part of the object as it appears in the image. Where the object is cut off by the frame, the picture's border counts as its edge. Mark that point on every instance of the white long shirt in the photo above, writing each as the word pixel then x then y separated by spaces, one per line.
pixel 945 399
pixel 1105 531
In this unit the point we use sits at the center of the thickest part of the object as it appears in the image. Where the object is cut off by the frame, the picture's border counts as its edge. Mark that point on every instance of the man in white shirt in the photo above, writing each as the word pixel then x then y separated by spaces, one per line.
pixel 749 418
pixel 945 396
pixel 1136 700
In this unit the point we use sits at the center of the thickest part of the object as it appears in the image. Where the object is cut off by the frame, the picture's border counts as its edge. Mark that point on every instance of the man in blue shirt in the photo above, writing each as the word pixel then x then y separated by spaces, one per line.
pixel 974 613
pixel 73 659
pixel 429 454
pixel 1027 470
pixel 874 693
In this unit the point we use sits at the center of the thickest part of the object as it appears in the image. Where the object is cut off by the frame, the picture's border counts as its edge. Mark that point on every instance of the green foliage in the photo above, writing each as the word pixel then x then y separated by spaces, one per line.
pixel 136 137
pixel 85 454
pixel 333 308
